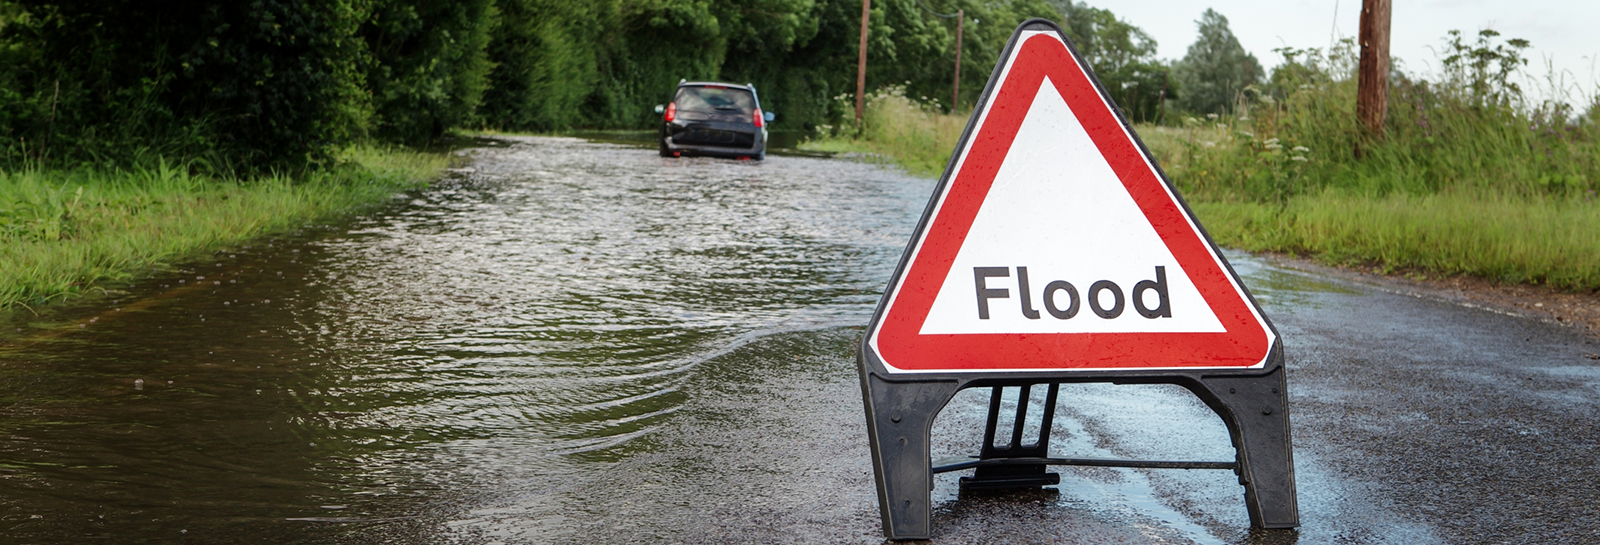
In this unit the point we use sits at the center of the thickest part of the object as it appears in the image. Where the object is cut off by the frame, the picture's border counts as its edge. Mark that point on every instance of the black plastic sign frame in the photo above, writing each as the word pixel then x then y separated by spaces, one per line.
pixel 903 395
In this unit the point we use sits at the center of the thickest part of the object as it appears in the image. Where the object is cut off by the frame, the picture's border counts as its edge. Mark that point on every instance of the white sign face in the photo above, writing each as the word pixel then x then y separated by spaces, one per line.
pixel 1059 222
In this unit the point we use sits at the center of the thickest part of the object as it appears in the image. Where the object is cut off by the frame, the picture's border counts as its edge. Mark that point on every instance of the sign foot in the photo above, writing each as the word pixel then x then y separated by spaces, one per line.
pixel 1256 412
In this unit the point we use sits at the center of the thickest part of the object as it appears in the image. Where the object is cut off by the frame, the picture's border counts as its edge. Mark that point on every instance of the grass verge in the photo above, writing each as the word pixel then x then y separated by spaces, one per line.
pixel 1547 241
pixel 66 232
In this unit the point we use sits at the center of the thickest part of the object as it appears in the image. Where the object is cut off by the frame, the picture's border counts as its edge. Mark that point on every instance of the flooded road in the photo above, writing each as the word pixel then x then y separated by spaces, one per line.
pixel 586 343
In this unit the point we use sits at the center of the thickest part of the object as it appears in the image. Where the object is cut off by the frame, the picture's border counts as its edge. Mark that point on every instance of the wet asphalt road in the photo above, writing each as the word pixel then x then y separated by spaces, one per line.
pixel 1415 421
pixel 584 343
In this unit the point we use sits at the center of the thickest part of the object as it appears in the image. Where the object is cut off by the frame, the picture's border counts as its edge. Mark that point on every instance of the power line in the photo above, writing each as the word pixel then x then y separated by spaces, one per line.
pixel 935 13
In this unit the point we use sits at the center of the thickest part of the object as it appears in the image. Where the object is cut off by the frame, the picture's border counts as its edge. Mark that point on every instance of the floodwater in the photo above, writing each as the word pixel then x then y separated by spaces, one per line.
pixel 581 342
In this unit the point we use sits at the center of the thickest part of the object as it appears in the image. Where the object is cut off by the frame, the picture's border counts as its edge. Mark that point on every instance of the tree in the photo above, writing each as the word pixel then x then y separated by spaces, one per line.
pixel 243 86
pixel 1122 56
pixel 546 56
pixel 271 84
pixel 429 66
pixel 604 63
pixel 1216 68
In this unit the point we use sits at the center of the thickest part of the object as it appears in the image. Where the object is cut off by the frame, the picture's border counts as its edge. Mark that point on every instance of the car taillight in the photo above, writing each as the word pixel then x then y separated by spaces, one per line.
pixel 759 122
pixel 672 111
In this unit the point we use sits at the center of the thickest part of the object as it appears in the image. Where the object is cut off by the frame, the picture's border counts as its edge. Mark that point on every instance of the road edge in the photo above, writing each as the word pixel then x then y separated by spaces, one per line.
pixel 1577 310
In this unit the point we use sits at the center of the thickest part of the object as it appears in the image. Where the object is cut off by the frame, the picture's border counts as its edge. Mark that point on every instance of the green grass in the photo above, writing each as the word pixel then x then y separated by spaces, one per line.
pixel 67 232
pixel 1549 241
pixel 899 130
pixel 1459 184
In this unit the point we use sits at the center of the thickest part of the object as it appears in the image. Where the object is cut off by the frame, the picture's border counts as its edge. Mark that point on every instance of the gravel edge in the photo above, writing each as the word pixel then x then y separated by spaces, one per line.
pixel 1579 310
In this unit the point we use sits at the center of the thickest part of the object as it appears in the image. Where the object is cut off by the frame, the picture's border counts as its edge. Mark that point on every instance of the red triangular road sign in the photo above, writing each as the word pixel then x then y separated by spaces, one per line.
pixel 1054 244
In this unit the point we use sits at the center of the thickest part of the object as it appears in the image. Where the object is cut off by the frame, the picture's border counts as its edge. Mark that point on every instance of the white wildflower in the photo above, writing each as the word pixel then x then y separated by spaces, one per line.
pixel 1299 158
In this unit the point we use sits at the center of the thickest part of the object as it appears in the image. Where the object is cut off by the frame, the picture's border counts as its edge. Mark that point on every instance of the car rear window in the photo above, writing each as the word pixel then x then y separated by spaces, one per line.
pixel 712 99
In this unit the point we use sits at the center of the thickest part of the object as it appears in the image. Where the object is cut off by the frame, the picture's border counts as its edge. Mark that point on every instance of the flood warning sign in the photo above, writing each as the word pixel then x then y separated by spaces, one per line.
pixel 1054 243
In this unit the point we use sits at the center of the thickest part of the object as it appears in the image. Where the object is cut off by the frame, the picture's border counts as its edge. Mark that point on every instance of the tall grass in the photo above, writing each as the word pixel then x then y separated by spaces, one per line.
pixel 1470 177
pixel 898 129
pixel 1466 135
pixel 1536 240
pixel 64 232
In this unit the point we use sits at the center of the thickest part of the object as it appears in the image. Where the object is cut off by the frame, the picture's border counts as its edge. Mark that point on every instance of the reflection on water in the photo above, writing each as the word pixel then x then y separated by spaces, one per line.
pixel 779 142
pixel 499 334
pixel 1280 289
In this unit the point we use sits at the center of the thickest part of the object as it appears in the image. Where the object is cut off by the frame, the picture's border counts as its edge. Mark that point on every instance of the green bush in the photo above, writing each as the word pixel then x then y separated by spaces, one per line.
pixel 261 84
pixel 916 136
pixel 428 68
pixel 546 57
pixel 254 86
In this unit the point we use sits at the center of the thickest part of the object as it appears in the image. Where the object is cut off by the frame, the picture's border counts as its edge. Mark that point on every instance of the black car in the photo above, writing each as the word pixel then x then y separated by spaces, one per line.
pixel 717 119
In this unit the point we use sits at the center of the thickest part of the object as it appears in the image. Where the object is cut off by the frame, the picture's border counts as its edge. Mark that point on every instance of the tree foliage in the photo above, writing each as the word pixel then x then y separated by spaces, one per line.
pixel 266 83
pixel 1216 68
pixel 282 84
pixel 1123 57
pixel 604 64
pixel 241 85
pixel 546 57
pixel 428 68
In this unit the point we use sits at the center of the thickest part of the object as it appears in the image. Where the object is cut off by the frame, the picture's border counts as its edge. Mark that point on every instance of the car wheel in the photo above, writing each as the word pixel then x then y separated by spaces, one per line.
pixel 664 151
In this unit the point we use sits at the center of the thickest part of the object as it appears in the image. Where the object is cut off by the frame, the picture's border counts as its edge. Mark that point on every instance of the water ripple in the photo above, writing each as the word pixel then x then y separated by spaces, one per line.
pixel 553 308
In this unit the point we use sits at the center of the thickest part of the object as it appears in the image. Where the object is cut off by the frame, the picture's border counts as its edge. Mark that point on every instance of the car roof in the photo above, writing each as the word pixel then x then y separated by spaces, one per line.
pixel 745 86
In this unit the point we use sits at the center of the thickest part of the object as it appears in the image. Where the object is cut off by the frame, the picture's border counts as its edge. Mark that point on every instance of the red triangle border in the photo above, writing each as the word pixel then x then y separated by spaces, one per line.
pixel 1246 342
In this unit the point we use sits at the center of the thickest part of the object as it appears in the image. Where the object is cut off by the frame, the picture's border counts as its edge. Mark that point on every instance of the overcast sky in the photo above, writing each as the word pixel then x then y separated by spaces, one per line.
pixel 1567 32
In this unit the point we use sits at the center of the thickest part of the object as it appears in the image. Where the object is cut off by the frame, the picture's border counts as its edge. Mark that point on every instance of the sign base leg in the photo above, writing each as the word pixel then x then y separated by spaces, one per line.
pixel 1256 412
pixel 1014 477
pixel 899 425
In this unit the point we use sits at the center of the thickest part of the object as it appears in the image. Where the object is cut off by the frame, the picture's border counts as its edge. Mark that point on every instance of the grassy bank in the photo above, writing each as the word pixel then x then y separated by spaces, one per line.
pixel 898 130
pixel 1469 176
pixel 1504 222
pixel 66 232
pixel 1468 179
pixel 1553 242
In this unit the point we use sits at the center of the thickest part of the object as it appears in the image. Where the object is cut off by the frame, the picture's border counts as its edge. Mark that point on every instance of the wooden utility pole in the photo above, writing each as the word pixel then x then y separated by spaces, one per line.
pixel 861 65
pixel 955 88
pixel 1372 86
